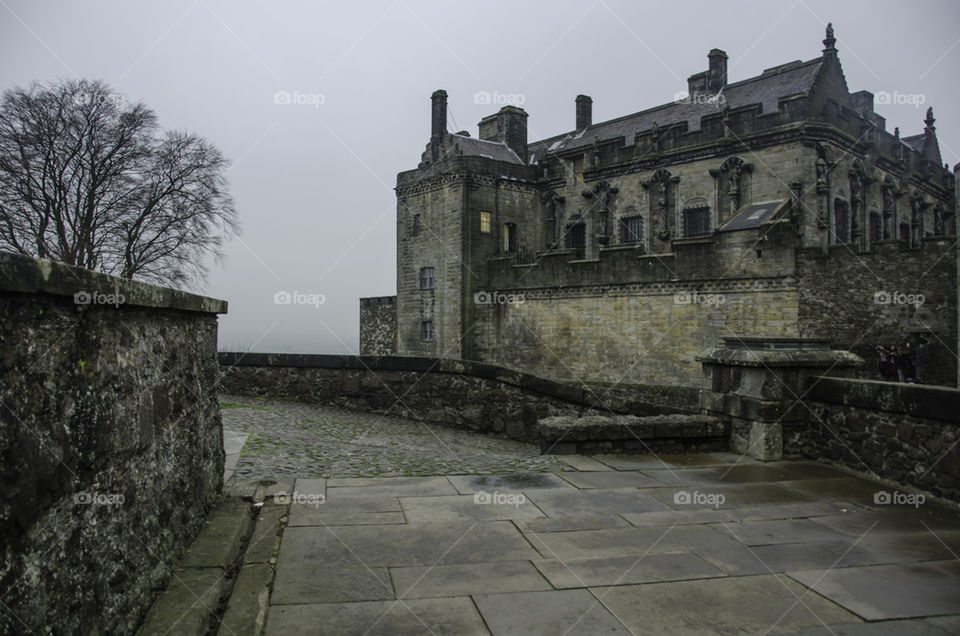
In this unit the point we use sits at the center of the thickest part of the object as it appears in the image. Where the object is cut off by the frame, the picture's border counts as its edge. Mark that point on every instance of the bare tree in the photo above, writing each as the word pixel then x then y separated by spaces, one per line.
pixel 90 180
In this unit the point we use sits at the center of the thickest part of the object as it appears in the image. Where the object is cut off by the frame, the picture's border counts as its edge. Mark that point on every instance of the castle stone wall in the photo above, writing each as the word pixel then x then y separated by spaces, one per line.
pixel 860 300
pixel 632 334
pixel 110 442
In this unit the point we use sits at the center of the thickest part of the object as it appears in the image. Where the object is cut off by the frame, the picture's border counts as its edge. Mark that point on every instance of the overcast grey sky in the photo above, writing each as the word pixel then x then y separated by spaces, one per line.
pixel 313 178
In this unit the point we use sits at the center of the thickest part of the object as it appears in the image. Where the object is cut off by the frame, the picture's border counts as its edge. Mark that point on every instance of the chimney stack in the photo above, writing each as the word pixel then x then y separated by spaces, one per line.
pixel 438 122
pixel 717 71
pixel 584 111
pixel 508 126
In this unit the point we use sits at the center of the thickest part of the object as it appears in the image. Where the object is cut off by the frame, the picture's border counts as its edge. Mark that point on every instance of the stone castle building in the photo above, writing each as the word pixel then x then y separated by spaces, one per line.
pixel 776 206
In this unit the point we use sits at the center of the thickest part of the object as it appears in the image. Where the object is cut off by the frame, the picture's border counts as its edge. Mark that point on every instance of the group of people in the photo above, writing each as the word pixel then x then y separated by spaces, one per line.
pixel 897 363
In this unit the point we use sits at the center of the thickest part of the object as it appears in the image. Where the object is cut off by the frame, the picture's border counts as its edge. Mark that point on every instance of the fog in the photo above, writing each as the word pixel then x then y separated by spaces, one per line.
pixel 320 105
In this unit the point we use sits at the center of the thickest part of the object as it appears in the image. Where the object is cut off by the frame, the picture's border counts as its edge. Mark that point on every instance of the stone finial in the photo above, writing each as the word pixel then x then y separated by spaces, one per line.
pixel 929 119
pixel 830 40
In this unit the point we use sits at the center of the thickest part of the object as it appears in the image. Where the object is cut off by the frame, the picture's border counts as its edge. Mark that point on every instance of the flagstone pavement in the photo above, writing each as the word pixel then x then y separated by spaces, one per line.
pixel 606 544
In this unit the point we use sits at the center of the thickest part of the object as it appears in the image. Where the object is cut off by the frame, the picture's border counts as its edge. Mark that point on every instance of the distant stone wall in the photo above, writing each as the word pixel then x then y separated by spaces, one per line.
pixel 903 432
pixel 632 333
pixel 110 443
pixel 860 300
pixel 455 393
pixel 378 326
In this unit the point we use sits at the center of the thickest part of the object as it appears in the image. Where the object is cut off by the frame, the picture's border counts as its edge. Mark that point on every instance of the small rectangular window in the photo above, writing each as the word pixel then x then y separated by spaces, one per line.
pixel 631 229
pixel 416 225
pixel 486 222
pixel 696 221
pixel 426 278
pixel 509 238
pixel 427 329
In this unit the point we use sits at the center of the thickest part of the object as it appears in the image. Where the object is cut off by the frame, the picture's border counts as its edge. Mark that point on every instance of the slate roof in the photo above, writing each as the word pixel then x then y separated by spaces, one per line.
pixel 767 88
pixel 915 141
pixel 479 148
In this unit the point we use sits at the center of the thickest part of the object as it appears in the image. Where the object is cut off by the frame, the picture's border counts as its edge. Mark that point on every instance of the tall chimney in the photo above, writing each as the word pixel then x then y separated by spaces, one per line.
pixel 717 71
pixel 438 121
pixel 584 111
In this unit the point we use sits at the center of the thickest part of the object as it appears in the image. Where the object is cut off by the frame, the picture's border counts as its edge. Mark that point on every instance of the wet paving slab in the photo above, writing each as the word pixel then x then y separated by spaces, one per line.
pixel 498 541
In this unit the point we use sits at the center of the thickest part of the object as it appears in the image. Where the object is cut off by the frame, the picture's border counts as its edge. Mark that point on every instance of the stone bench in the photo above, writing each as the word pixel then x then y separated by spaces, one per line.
pixel 568 435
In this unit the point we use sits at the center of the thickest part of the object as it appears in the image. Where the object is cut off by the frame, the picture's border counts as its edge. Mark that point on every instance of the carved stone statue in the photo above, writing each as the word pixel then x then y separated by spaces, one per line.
pixel 663 232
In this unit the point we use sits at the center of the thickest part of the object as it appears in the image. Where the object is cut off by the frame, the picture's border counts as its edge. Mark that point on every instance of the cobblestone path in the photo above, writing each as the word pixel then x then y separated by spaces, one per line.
pixel 293 439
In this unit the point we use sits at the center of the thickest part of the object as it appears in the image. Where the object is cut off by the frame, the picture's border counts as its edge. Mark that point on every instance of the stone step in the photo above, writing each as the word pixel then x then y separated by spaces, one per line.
pixel 564 434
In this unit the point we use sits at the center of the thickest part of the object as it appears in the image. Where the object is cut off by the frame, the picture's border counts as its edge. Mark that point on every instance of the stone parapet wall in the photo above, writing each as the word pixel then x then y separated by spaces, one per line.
pixel 110 442
pixel 907 433
pixel 456 393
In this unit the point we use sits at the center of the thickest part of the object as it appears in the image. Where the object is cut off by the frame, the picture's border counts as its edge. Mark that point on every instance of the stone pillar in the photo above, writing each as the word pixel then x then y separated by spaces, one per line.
pixel 759 383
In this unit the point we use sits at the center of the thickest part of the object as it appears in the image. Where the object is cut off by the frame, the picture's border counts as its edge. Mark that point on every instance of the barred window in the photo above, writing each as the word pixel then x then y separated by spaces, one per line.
pixel 575 237
pixel 631 229
pixel 696 221
pixel 427 329
pixel 426 278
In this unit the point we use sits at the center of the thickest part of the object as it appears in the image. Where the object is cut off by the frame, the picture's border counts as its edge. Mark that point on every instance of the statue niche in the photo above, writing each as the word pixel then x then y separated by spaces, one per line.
pixel 662 195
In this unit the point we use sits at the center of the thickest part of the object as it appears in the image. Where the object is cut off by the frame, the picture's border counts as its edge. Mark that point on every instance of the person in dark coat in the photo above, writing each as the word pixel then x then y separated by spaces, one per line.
pixel 883 358
pixel 910 364
pixel 891 363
